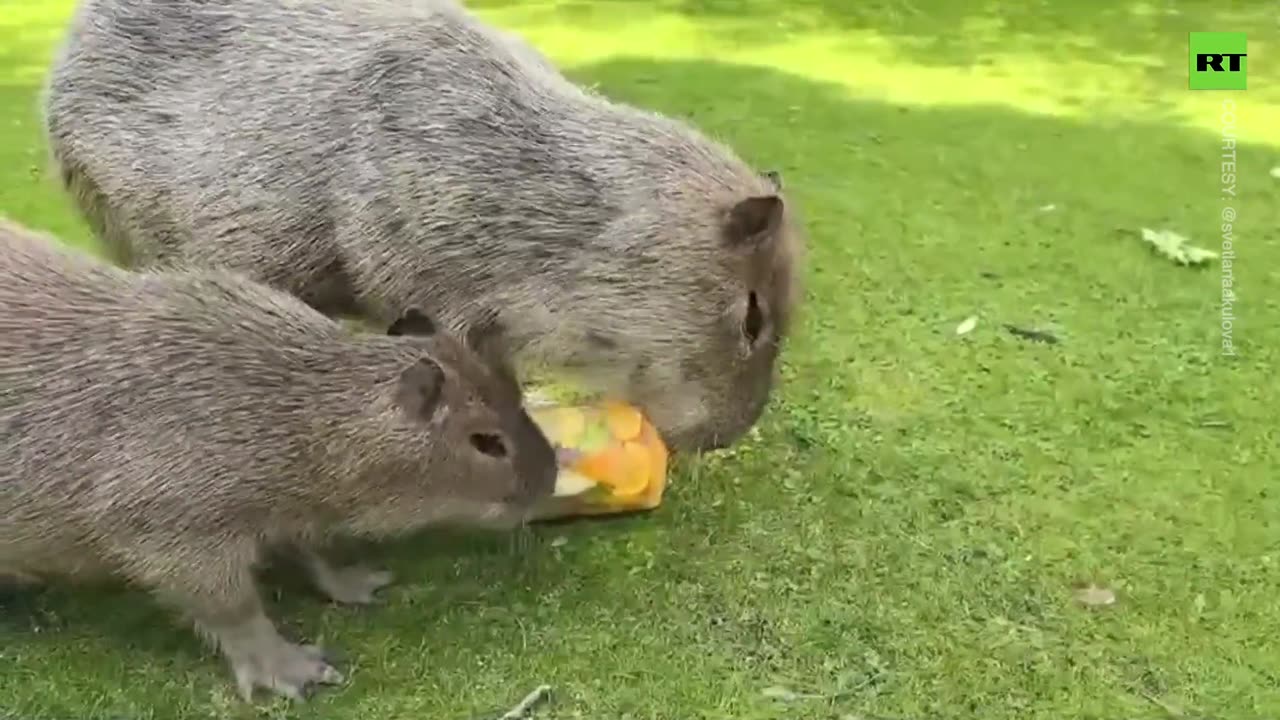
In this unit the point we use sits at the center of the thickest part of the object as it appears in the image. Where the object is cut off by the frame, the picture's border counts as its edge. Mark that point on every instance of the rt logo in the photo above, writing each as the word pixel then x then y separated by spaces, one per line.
pixel 1218 61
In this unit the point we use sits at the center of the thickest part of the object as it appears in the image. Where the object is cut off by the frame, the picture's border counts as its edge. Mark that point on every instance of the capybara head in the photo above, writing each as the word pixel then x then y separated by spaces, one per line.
pixel 705 330
pixel 461 408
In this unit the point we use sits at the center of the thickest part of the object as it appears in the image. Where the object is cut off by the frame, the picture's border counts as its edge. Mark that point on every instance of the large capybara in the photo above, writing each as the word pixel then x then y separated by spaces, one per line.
pixel 374 155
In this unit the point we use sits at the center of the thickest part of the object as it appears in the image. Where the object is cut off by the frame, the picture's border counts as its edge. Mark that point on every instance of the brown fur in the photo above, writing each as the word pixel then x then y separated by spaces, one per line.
pixel 173 427
pixel 372 155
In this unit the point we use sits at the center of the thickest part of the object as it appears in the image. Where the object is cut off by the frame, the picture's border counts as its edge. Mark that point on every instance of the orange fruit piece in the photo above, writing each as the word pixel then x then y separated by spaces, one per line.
pixel 635 477
pixel 622 497
pixel 605 465
pixel 624 421
pixel 650 496
pixel 622 467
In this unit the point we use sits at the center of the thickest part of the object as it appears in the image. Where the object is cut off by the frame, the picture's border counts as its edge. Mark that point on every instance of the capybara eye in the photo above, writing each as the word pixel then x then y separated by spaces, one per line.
pixel 753 323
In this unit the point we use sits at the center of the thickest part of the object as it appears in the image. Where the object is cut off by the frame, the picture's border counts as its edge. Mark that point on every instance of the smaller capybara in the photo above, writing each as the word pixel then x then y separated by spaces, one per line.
pixel 172 428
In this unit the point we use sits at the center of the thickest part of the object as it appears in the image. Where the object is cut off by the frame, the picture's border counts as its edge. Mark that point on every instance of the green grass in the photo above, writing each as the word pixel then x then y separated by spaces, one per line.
pixel 903 533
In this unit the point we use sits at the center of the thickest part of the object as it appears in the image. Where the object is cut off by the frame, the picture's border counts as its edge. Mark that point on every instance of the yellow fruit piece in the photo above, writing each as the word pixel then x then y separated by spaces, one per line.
pixel 569 483
pixel 564 426
pixel 624 421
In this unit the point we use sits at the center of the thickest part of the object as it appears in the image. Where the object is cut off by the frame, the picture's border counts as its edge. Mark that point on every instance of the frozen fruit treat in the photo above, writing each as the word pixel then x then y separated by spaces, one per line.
pixel 611 457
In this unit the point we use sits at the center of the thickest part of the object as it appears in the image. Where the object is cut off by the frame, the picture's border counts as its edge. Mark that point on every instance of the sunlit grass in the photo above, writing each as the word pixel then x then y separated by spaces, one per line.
pixel 877 66
pixel 902 535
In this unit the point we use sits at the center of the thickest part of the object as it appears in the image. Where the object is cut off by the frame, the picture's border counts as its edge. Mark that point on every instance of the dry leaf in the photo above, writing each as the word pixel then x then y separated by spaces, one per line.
pixel 780 693
pixel 1094 596
pixel 1043 336
pixel 967 325
pixel 1048 208
pixel 1176 248
pixel 530 701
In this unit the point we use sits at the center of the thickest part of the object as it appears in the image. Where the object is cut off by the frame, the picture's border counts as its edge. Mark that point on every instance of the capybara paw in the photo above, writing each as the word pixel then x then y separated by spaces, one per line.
pixel 283 668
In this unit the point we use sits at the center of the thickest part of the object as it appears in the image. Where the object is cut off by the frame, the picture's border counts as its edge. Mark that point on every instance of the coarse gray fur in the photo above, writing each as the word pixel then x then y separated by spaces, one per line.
pixel 372 155
pixel 173 427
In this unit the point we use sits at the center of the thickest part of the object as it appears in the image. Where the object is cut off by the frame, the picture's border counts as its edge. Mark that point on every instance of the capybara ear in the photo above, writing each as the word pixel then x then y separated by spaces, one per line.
pixel 487 338
pixel 420 388
pixel 413 322
pixel 775 179
pixel 753 220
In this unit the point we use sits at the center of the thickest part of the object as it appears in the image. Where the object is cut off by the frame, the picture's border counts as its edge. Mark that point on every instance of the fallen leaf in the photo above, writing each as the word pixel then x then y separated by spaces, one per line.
pixel 1169 708
pixel 780 693
pixel 1275 172
pixel 1043 336
pixel 967 325
pixel 1048 208
pixel 530 701
pixel 560 541
pixel 1094 596
pixel 1176 248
